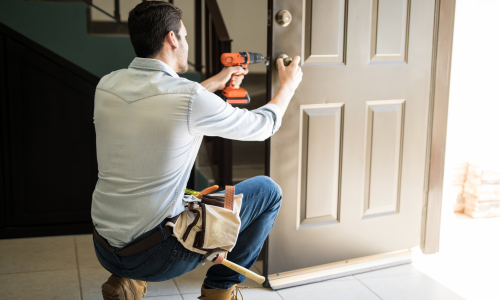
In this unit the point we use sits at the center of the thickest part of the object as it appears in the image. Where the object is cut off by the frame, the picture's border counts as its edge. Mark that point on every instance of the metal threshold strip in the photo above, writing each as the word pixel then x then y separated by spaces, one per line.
pixel 343 268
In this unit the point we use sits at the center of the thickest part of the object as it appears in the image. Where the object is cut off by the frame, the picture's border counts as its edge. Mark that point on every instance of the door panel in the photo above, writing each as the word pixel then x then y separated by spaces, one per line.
pixel 384 124
pixel 350 154
pixel 320 143
pixel 324 35
pixel 389 30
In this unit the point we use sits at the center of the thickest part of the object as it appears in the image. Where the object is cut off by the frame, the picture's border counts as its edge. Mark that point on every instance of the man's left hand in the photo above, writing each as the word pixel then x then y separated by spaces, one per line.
pixel 218 82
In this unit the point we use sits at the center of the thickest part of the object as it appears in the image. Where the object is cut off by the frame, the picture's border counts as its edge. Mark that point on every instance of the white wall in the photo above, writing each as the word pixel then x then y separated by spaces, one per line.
pixel 245 20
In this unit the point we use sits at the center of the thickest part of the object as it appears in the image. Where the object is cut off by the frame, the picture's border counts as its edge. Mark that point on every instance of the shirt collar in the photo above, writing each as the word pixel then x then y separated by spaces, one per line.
pixel 152 64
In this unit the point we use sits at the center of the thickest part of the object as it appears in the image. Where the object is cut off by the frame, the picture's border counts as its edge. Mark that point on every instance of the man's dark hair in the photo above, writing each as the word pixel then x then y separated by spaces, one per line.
pixel 148 24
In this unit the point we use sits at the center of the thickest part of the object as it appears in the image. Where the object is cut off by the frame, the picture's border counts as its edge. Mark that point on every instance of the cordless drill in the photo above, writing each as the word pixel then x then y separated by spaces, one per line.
pixel 242 59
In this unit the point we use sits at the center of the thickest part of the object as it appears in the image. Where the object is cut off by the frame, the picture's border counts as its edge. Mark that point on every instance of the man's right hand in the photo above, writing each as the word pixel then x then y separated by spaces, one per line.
pixel 290 76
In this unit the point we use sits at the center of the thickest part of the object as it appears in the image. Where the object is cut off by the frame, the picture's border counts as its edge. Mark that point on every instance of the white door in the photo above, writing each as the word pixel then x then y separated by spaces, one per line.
pixel 351 153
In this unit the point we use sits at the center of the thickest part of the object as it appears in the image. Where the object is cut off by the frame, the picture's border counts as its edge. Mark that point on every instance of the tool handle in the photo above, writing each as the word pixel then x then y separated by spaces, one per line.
pixel 228 84
pixel 244 271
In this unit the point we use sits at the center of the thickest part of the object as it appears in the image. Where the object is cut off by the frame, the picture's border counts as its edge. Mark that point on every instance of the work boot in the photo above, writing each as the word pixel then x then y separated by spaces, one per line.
pixel 217 294
pixel 119 288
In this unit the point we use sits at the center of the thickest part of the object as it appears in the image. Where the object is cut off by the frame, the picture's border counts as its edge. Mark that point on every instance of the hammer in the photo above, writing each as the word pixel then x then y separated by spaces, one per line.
pixel 221 259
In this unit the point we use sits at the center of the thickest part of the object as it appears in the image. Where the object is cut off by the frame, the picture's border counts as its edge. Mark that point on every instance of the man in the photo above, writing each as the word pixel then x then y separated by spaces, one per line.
pixel 149 125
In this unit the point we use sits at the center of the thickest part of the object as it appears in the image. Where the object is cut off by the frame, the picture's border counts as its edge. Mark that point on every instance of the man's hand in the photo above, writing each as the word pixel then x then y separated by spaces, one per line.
pixel 290 76
pixel 218 82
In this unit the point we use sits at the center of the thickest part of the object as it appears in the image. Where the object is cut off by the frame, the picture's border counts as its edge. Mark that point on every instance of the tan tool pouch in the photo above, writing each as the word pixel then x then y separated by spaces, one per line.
pixel 211 225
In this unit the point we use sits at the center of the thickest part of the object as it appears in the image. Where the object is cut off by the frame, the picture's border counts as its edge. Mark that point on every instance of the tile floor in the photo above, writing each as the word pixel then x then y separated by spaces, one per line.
pixel 467 267
pixel 65 267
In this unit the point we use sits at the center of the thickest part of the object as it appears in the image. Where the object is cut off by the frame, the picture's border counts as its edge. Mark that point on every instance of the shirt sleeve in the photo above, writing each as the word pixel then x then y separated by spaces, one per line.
pixel 212 116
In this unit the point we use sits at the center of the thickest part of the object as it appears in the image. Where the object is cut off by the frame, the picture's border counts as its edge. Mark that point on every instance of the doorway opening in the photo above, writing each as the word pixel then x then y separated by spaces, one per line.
pixel 468 260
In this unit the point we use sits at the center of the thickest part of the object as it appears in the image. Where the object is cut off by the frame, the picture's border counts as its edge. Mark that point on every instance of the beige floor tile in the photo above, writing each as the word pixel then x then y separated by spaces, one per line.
pixel 91 281
pixel 164 288
pixel 191 282
pixel 85 252
pixel 54 285
pixel 248 294
pixel 330 290
pixel 191 296
pixel 171 297
pixel 392 271
pixel 37 254
pixel 409 287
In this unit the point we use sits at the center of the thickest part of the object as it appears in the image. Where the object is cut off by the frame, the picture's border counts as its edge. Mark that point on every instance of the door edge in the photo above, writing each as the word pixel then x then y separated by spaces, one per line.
pixel 444 22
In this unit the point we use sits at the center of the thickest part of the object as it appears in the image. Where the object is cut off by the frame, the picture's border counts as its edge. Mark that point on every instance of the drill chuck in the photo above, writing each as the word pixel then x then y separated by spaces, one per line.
pixel 255 58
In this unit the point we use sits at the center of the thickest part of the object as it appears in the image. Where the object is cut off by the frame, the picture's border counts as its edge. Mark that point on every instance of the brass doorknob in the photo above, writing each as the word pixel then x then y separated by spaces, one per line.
pixel 287 60
pixel 284 18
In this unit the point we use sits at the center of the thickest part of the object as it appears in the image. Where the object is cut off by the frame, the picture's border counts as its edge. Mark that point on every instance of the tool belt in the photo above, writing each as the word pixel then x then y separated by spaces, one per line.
pixel 211 225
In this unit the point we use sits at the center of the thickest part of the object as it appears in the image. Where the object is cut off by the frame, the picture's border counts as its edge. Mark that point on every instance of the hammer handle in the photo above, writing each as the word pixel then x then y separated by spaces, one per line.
pixel 243 271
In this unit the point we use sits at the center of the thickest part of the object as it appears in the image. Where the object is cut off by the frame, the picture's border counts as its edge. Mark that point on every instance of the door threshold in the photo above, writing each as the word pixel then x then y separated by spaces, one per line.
pixel 343 268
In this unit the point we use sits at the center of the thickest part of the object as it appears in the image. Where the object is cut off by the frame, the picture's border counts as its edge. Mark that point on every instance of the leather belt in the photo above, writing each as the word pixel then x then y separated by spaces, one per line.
pixel 138 247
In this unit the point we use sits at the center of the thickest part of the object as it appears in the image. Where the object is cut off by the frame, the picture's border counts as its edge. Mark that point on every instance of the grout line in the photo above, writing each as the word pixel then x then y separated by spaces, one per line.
pixel 369 289
pixel 1 274
pixel 280 295
pixel 178 290
pixel 78 269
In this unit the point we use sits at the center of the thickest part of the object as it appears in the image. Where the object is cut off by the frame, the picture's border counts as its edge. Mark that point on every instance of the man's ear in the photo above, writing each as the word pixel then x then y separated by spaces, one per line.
pixel 172 40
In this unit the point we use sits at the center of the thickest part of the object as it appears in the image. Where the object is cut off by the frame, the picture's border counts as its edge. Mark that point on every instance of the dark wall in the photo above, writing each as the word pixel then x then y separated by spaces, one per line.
pixel 62 28
pixel 48 160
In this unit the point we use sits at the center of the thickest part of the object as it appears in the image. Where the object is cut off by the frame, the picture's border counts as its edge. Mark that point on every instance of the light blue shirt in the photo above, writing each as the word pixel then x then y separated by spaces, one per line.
pixel 149 125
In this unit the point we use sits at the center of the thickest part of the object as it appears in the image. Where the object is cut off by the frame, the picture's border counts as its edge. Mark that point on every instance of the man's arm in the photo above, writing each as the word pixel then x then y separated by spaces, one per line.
pixel 211 116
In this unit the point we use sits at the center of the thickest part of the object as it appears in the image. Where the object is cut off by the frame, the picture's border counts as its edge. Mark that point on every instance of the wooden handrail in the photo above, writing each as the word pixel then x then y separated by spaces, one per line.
pixel 218 21
pixel 89 2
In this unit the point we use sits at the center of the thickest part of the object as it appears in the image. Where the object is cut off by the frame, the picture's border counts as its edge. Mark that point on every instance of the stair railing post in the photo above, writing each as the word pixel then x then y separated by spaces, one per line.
pixel 197 36
pixel 217 41
pixel 117 10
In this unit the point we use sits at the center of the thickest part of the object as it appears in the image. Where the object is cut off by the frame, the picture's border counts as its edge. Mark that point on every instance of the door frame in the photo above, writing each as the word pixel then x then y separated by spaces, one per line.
pixel 444 23
pixel 444 19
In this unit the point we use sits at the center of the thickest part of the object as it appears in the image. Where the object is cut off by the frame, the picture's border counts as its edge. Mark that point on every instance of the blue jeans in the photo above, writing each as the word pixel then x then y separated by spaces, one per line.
pixel 169 259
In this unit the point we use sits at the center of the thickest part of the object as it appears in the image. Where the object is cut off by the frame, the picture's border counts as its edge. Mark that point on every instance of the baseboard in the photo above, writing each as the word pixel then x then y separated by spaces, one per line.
pixel 343 268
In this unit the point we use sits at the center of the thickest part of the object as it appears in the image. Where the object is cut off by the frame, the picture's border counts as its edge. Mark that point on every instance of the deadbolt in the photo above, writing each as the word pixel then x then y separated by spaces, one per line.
pixel 284 17
pixel 287 60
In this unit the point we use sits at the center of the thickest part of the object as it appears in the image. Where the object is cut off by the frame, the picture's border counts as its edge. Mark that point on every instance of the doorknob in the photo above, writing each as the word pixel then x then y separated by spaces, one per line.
pixel 284 18
pixel 287 60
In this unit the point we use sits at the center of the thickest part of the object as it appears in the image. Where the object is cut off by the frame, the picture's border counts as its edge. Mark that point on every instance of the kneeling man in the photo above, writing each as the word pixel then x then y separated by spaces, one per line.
pixel 149 125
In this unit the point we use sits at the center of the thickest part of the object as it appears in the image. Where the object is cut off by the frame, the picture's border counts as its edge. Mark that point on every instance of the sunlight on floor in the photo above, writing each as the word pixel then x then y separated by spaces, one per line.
pixel 469 259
